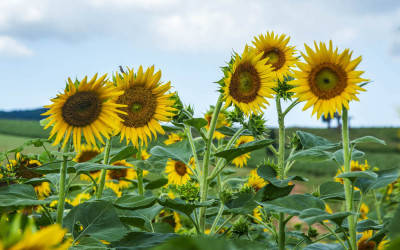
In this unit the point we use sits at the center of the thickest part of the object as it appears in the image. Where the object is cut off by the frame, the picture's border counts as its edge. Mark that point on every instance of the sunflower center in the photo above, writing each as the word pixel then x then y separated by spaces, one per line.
pixel 180 168
pixel 327 80
pixel 141 106
pixel 276 58
pixel 370 245
pixel 117 174
pixel 24 171
pixel 245 83
pixel 81 109
pixel 85 156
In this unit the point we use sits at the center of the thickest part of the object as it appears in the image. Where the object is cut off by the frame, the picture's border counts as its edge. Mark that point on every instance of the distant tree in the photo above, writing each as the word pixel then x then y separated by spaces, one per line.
pixel 328 120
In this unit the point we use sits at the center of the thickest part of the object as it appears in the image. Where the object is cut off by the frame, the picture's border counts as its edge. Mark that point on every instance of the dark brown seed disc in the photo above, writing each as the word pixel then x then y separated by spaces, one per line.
pixel 363 245
pixel 327 80
pixel 81 109
pixel 245 83
pixel 117 174
pixel 85 156
pixel 180 168
pixel 276 58
pixel 24 171
pixel 141 106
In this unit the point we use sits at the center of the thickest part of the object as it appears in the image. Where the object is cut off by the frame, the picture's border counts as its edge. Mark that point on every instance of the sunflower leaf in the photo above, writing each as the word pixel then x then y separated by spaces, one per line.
pixel 269 174
pixel 196 123
pixel 309 141
pixel 180 151
pixel 123 154
pixel 230 131
pixel 314 215
pixel 18 195
pixel 368 139
pixel 90 166
pixel 355 155
pixel 231 154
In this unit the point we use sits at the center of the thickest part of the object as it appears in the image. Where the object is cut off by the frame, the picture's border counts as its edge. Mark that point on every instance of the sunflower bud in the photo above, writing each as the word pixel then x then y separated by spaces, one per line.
pixel 283 88
pixel 256 125
pixel 312 232
pixel 295 142
pixel 226 195
pixel 297 226
pixel 189 192
pixel 246 189
pixel 241 227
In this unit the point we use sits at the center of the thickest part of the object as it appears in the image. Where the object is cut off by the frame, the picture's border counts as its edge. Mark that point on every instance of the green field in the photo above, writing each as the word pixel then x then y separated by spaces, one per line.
pixel 14 133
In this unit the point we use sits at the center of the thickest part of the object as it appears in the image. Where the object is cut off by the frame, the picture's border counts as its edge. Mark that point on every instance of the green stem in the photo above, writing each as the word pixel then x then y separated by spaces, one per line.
pixel 223 224
pixel 347 184
pixel 48 214
pixel 345 236
pixel 140 172
pixel 206 161
pixel 377 208
pixel 273 150
pixel 221 210
pixel 281 167
pixel 62 187
pixel 48 154
pixel 337 236
pixel 292 105
pixel 193 146
pixel 103 173
pixel 264 224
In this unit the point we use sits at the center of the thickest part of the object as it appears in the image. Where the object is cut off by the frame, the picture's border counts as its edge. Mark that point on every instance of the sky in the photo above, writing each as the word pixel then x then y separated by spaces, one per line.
pixel 43 42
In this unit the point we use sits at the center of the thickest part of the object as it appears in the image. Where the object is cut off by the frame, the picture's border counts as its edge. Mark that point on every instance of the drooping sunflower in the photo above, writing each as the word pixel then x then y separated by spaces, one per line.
pixel 86 153
pixel 173 138
pixel 280 55
pixel 255 181
pixel 240 161
pixel 178 172
pixel 221 121
pixel 328 81
pixel 249 82
pixel 84 109
pixel 147 104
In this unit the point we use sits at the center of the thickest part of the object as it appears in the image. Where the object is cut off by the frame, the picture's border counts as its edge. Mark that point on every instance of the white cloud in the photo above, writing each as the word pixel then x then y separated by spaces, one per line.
pixel 11 48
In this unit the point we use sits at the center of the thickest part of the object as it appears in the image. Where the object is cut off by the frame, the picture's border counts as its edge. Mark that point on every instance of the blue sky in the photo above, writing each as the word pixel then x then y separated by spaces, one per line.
pixel 43 42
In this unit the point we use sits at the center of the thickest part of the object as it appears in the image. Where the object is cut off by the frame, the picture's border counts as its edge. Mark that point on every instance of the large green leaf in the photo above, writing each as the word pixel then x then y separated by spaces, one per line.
pixel 20 195
pixel 270 175
pixel 314 215
pixel 156 184
pixel 332 190
pixel 313 154
pixel 142 240
pixel 90 166
pixel 272 192
pixel 154 164
pixel 230 131
pixel 183 207
pixel 54 168
pixel 363 225
pixel 320 246
pixel 123 154
pixel 140 218
pixel 135 201
pixel 385 177
pixel 231 154
pixel 88 243
pixel 368 139
pixel 394 226
pixel 98 219
pixel 180 151
pixel 196 123
pixel 358 174
pixel 243 203
pixel 308 141
pixel 294 204
pixel 355 155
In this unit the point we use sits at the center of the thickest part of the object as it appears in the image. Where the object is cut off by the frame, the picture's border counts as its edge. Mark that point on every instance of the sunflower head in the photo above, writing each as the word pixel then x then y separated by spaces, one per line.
pixel 249 82
pixel 85 108
pixel 174 138
pixel 147 103
pixel 86 153
pixel 222 120
pixel 240 161
pixel 328 80
pixel 255 181
pixel 178 172
pixel 277 52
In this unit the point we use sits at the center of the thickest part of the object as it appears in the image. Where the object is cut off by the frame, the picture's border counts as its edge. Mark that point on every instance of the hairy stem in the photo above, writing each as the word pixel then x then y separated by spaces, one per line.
pixel 281 167
pixel 103 174
pixel 139 172
pixel 62 187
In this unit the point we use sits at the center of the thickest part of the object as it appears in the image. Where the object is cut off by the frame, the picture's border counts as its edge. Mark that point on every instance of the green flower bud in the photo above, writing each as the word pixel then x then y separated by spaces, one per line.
pixel 189 192
pixel 312 232
pixel 241 227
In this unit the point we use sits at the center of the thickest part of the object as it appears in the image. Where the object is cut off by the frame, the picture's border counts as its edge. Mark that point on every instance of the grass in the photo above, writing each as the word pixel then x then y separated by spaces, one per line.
pixel 23 128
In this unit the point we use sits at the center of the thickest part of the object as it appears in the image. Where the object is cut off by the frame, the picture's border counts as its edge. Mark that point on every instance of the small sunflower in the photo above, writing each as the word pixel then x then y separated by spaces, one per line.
pixel 173 138
pixel 86 153
pixel 221 121
pixel 178 172
pixel 240 161
pixel 85 109
pixel 257 214
pixel 328 80
pixel 80 198
pixel 362 243
pixel 116 175
pixel 280 55
pixel 255 181
pixel 364 210
pixel 146 105
pixel 249 82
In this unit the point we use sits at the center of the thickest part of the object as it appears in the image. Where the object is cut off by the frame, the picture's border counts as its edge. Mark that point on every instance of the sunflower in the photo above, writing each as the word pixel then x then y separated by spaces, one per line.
pixel 257 214
pixel 255 181
pixel 221 121
pixel 116 175
pixel 362 243
pixel 354 166
pixel 328 80
pixel 242 160
pixel 364 210
pixel 84 109
pixel 249 82
pixel 280 55
pixel 178 172
pixel 86 153
pixel 173 138
pixel 146 105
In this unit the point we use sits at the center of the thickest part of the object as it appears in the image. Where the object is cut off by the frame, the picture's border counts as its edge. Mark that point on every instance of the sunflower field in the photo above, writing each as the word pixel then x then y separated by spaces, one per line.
pixel 189 191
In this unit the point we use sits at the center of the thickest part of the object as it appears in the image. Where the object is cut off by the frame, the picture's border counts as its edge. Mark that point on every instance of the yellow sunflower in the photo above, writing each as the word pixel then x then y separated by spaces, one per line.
pixel 280 55
pixel 80 198
pixel 362 243
pixel 257 214
pixel 249 83
pixel 255 181
pixel 221 121
pixel 86 153
pixel 178 172
pixel 364 210
pixel 84 109
pixel 328 80
pixel 173 138
pixel 147 104
pixel 242 160
pixel 116 175
pixel 354 166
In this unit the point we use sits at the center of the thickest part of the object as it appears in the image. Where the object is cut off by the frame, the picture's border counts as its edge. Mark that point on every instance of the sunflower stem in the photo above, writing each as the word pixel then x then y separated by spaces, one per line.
pixel 377 207
pixel 281 167
pixel 62 187
pixel 140 172
pixel 347 183
pixel 193 146
pixel 103 174
pixel 337 236
pixel 206 161
pixel 221 210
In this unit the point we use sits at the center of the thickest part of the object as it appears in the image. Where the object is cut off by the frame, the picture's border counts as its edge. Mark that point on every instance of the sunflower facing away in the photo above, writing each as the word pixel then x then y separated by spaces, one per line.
pixel 240 161
pixel 249 83
pixel 147 104
pixel 280 55
pixel 178 172
pixel 85 109
pixel 173 138
pixel 86 153
pixel 328 81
